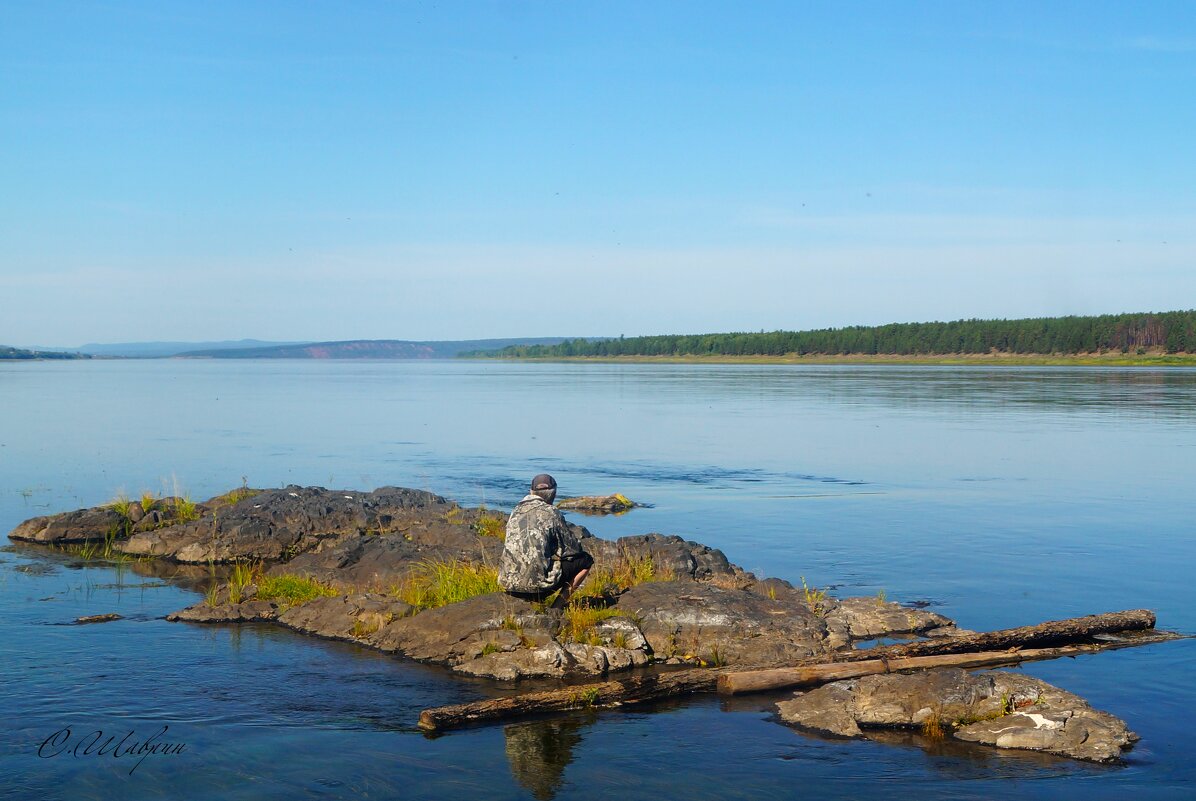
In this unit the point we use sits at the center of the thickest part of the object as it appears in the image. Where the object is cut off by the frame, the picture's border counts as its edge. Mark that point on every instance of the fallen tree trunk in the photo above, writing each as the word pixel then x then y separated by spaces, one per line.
pixel 1070 637
pixel 1053 632
pixel 617 692
pixel 754 681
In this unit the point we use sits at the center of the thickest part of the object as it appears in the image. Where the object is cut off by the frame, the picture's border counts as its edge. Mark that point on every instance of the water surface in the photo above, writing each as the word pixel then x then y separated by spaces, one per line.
pixel 1001 496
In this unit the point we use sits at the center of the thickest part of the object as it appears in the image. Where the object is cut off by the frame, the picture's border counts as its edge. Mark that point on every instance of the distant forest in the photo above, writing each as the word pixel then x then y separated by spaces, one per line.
pixel 1174 332
pixel 18 353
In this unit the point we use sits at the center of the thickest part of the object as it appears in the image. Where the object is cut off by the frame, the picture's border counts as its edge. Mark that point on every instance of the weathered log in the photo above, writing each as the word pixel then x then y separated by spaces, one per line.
pixel 1070 637
pixel 1043 635
pixel 617 692
pixel 753 681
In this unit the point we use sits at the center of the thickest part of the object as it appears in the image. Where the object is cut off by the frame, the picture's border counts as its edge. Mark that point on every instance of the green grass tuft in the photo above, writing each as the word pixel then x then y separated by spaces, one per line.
pixel 490 525
pixel 434 584
pixel 292 590
pixel 629 571
pixel 242 576
pixel 578 622
pixel 815 598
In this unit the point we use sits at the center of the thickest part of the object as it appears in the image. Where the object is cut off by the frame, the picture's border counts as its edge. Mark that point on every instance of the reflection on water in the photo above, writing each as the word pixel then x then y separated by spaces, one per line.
pixel 539 752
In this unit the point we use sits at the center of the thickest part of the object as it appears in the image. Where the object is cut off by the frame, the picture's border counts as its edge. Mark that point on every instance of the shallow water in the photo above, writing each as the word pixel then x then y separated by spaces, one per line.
pixel 1003 497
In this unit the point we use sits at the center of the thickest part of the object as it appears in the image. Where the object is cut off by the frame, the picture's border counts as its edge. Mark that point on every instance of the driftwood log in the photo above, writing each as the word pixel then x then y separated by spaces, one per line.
pixel 1054 639
pixel 1053 632
pixel 755 681
pixel 617 692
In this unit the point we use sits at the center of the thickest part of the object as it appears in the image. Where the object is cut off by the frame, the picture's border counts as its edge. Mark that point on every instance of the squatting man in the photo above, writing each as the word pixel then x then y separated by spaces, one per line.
pixel 542 555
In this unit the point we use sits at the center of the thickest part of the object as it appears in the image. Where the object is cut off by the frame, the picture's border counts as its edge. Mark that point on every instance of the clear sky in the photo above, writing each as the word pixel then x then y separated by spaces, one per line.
pixel 441 170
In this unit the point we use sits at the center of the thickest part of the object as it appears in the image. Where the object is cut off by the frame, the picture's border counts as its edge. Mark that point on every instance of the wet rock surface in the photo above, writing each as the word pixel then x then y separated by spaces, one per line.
pixel 997 708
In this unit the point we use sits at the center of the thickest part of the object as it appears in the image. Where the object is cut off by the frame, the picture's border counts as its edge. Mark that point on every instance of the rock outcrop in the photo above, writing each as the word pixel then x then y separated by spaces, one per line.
pixel 662 598
pixel 998 708
pixel 277 525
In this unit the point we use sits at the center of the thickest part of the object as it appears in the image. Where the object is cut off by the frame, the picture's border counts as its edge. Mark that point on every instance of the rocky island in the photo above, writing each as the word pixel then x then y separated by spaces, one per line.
pixel 411 573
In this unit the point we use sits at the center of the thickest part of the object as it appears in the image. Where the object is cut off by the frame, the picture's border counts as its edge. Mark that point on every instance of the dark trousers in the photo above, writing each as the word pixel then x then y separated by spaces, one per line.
pixel 570 567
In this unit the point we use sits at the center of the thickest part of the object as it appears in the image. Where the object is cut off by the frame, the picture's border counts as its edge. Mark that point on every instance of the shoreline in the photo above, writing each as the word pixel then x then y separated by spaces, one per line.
pixel 954 360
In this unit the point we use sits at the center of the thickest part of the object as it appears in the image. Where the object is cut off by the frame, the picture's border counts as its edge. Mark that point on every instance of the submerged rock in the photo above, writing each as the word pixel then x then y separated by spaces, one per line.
pixel 106 618
pixel 998 708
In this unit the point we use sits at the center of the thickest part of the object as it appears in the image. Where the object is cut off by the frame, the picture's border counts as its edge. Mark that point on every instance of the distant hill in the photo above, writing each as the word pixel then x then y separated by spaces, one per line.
pixel 21 353
pixel 370 349
pixel 151 350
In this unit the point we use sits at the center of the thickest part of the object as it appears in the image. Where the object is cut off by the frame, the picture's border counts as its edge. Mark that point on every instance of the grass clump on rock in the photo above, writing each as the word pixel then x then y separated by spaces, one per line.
pixel 629 571
pixel 578 622
pixel 434 584
pixel 491 525
pixel 291 589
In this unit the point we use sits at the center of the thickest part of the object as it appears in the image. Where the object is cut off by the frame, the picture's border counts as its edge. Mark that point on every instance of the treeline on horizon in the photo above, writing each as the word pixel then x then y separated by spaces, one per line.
pixel 7 352
pixel 1174 332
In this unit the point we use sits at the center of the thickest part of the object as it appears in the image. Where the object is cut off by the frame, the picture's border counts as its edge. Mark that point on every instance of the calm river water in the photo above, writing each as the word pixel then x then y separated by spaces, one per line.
pixel 1002 497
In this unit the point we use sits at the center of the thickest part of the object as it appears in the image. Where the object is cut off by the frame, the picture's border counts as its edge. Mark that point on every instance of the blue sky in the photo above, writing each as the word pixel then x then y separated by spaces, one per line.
pixel 455 170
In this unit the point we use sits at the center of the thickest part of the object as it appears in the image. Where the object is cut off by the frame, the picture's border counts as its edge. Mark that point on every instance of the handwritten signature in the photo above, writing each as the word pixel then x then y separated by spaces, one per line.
pixel 94 744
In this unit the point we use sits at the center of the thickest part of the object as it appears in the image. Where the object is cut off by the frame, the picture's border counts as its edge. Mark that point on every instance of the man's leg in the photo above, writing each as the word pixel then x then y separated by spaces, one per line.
pixel 583 566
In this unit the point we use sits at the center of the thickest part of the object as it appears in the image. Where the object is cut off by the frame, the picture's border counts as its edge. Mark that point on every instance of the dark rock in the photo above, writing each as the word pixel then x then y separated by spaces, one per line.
pixel 251 611
pixel 672 557
pixel 999 708
pixel 276 525
pixel 379 561
pixel 82 525
pixel 702 621
pixel 459 632
pixel 135 512
pixel 349 617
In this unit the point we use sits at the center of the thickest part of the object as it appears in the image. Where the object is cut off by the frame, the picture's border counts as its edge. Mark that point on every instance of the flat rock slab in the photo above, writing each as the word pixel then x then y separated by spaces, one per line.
pixel 81 525
pixel 997 708
pixel 865 618
pixel 276 525
pixel 104 523
pixel 687 619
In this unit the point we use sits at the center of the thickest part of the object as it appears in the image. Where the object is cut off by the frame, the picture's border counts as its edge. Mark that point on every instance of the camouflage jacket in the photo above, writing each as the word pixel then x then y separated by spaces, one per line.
pixel 537 539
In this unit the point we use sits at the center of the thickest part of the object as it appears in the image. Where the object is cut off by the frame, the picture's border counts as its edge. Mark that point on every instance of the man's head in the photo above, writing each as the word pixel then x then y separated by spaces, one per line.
pixel 544 486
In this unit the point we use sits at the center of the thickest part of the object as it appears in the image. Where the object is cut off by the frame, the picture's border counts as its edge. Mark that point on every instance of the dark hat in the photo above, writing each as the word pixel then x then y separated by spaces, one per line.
pixel 543 482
